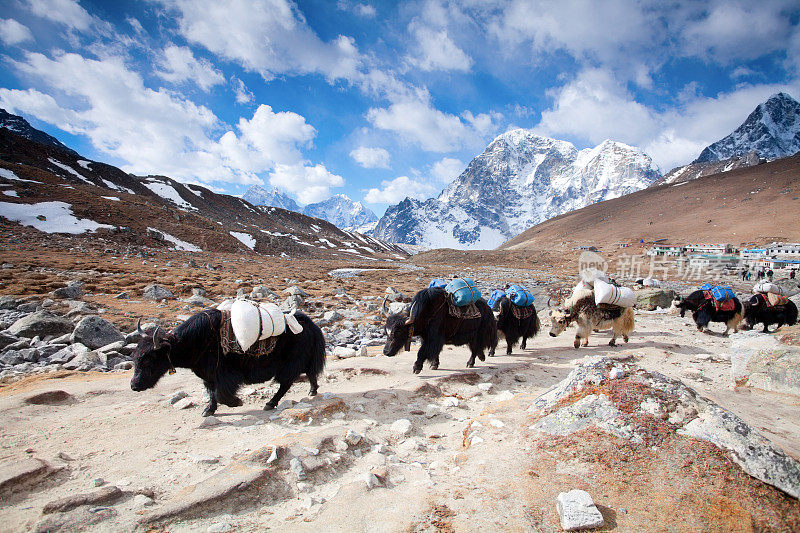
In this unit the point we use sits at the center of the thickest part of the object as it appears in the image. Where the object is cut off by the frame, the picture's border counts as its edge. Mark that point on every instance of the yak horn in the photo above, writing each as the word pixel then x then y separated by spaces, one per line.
pixel 384 309
pixel 156 341
pixel 139 326
pixel 410 319
pixel 548 302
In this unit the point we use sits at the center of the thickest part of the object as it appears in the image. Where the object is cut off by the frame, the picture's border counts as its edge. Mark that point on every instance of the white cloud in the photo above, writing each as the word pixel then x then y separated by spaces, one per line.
pixel 178 64
pixel 362 10
pixel 371 157
pixel 243 96
pixel 67 12
pixel 270 37
pixel 310 183
pixel 436 50
pixel 157 132
pixel 417 121
pixel 397 190
pixel 447 169
pixel 12 32
pixel 595 106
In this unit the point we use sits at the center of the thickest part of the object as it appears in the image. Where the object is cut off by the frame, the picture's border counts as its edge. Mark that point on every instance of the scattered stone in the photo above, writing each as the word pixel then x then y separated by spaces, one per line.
pixel 342 352
pixel 297 468
pixel 175 398
pixel 450 401
pixel 219 527
pixel 616 373
pixel 296 291
pixel 73 291
pixel 321 407
pixel 371 480
pixel 496 423
pixel 122 296
pixel 485 387
pixel 520 378
pixel 96 332
pixel 401 427
pixel 651 299
pixel 140 500
pixel 352 438
pixel 577 511
pixel 184 403
pixel 397 307
pixel 42 324
pixel 67 503
pixel 157 293
pixel 99 482
pixel 204 459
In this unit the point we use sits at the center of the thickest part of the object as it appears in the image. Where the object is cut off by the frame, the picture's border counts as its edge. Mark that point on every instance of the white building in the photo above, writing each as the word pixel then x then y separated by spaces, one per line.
pixel 784 250
pixel 665 250
pixel 708 249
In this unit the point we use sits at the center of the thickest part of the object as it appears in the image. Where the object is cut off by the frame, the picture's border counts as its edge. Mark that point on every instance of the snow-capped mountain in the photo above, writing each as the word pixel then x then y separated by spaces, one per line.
pixel 344 213
pixel 258 195
pixel 520 180
pixel 698 170
pixel 772 130
pixel 22 127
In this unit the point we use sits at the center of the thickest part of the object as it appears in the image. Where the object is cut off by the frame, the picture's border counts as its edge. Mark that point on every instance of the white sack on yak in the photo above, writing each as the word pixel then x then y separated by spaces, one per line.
pixel 605 293
pixel 245 318
pixel 590 275
pixel 767 287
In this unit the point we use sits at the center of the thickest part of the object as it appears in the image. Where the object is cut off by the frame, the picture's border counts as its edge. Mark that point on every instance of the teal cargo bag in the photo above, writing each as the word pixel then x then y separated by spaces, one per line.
pixel 463 291
pixel 721 293
pixel 520 296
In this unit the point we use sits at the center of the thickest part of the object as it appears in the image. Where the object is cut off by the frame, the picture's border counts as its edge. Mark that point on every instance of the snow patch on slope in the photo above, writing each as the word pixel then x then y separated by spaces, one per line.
pixel 49 217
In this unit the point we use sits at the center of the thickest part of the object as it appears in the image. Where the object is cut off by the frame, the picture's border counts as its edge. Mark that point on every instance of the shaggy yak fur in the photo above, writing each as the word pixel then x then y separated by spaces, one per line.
pixel 704 311
pixel 430 320
pixel 757 310
pixel 514 328
pixel 195 345
pixel 589 317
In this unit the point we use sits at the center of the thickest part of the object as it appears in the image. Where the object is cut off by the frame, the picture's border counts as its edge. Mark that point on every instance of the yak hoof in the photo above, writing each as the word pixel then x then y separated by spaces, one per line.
pixel 577 343
pixel 312 392
pixel 208 411
pixel 417 369
pixel 435 365
pixel 269 407
pixel 508 351
pixel 612 342
pixel 625 338
pixel 471 364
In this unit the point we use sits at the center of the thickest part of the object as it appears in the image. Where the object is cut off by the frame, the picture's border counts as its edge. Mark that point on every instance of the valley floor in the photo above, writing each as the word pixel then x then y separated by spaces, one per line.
pixel 445 474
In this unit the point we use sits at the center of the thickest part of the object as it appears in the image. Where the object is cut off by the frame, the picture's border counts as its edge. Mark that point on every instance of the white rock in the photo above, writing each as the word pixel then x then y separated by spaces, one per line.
pixel 184 403
pixel 209 422
pixel 203 459
pixel 520 377
pixel 504 396
pixel 140 500
pixel 450 401
pixel 496 423
pixel 343 352
pixel 616 373
pixel 485 387
pixel 352 438
pixel 577 511
pixel 219 527
pixel 371 480
pixel 401 427
pixel 297 467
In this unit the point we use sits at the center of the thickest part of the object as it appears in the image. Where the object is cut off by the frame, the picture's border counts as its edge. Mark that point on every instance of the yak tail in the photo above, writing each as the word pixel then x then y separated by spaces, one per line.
pixel 536 324
pixel 625 323
pixel 316 348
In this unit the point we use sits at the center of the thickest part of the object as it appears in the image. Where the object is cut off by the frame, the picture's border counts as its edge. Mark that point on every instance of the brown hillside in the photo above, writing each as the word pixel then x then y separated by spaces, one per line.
pixel 750 205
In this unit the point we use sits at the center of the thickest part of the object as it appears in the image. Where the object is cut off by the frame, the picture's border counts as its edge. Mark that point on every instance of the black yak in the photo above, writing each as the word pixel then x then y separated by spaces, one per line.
pixel 195 345
pixel 429 318
pixel 705 310
pixel 590 317
pixel 515 328
pixel 758 310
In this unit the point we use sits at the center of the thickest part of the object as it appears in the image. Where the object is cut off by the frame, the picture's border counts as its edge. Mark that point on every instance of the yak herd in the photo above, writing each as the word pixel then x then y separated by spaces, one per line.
pixel 195 344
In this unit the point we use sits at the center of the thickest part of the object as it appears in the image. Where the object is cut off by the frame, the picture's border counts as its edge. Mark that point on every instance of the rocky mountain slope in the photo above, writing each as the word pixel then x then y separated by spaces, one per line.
pixel 344 213
pixel 521 179
pixel 258 195
pixel 754 204
pixel 22 127
pixel 770 132
pixel 56 191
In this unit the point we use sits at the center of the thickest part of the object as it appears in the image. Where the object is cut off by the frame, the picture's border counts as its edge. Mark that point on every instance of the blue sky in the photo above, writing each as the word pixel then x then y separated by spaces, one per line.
pixel 382 100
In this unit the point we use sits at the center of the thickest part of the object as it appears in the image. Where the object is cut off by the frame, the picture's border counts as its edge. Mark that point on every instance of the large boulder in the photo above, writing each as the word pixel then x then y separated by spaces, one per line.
pixel 157 293
pixel 96 332
pixel 664 403
pixel 72 291
pixel 41 324
pixel 650 299
pixel 758 360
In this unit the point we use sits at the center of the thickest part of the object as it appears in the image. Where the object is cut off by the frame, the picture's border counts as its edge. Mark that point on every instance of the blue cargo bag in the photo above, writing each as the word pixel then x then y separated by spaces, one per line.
pixel 464 291
pixel 520 296
pixel 438 284
pixel 722 293
pixel 497 294
pixel 706 287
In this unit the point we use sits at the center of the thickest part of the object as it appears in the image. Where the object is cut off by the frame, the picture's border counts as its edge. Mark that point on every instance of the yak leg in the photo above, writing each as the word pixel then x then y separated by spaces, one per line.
pixel 613 341
pixel 625 338
pixel 524 342
pixel 283 389
pixel 225 391
pixel 429 350
pixel 312 378
pixel 211 406
pixel 766 329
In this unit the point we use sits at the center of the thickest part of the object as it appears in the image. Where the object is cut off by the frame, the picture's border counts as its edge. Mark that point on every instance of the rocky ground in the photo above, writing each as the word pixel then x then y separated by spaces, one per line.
pixel 676 430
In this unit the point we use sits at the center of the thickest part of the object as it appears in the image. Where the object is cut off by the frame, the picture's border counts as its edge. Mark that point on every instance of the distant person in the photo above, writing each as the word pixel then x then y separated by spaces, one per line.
pixel 744 274
pixel 791 274
pixel 769 274
pixel 748 275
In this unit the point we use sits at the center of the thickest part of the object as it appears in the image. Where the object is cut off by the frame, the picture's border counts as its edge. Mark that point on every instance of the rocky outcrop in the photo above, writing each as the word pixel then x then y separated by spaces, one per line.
pixel 758 360
pixel 617 398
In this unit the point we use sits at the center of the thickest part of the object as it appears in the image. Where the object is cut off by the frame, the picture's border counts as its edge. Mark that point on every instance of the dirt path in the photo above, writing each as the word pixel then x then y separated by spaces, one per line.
pixel 142 444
